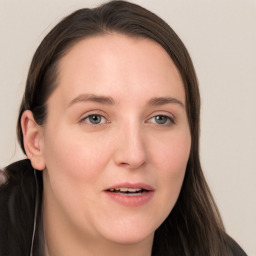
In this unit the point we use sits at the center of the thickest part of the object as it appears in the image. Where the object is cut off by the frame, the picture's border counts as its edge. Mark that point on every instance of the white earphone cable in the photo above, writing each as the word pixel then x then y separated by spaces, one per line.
pixel 35 215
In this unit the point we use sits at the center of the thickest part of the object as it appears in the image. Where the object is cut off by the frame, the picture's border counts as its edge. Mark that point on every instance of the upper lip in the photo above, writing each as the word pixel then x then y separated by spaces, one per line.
pixel 132 185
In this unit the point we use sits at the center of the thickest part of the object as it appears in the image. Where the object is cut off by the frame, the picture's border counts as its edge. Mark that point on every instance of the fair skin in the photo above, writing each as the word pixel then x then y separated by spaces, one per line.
pixel 139 134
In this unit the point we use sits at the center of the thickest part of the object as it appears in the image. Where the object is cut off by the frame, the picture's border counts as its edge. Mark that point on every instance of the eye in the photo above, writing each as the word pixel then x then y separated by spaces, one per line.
pixel 162 120
pixel 95 119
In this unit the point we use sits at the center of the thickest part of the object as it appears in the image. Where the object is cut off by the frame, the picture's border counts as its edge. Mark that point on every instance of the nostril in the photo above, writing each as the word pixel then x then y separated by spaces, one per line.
pixel 131 154
pixel 131 165
pixel 124 164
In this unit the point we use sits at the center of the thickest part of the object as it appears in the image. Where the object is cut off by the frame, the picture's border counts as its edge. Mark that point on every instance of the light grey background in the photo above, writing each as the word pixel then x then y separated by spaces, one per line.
pixel 221 38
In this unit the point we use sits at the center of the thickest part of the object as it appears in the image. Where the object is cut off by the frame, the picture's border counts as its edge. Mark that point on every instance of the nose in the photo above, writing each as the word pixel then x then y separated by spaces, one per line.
pixel 130 151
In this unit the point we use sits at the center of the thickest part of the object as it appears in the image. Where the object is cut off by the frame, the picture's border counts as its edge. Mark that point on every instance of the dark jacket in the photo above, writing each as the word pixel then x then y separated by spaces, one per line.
pixel 18 198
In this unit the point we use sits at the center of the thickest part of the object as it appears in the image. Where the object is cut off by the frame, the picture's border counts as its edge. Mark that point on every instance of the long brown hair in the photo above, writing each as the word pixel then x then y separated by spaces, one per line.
pixel 194 226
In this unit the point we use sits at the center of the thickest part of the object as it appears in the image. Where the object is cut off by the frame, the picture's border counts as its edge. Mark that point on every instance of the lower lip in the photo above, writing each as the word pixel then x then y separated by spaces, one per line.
pixel 131 201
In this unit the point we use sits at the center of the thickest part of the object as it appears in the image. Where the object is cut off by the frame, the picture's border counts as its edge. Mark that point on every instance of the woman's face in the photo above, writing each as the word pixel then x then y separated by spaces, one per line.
pixel 116 141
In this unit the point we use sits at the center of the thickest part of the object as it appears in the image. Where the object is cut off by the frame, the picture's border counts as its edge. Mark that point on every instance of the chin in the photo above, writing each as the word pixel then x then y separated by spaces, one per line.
pixel 132 234
pixel 125 239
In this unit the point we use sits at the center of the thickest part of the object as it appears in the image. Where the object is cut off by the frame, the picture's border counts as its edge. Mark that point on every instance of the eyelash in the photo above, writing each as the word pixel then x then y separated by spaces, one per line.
pixel 169 120
pixel 87 119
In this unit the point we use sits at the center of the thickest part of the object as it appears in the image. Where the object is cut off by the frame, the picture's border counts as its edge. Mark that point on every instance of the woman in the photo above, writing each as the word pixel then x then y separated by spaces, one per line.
pixel 110 124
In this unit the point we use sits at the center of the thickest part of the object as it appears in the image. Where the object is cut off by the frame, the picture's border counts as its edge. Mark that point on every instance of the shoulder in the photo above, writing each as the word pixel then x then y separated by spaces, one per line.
pixel 16 203
pixel 15 180
pixel 235 248
pixel 3 176
pixel 16 175
pixel 20 167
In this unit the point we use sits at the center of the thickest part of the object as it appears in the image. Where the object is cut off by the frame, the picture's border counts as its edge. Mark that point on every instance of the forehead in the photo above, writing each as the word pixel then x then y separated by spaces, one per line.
pixel 118 64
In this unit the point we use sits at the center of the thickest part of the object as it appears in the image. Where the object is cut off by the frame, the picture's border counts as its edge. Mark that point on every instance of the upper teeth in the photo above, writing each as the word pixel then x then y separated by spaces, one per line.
pixel 126 189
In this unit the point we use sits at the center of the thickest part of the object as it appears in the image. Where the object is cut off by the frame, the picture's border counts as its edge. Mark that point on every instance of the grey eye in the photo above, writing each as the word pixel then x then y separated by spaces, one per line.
pixel 161 119
pixel 95 119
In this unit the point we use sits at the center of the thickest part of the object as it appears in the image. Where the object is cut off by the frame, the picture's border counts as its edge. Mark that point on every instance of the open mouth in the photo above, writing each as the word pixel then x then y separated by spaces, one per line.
pixel 128 191
pixel 130 194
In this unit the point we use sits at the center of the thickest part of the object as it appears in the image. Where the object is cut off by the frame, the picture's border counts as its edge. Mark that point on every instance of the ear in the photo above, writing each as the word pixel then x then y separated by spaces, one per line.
pixel 33 140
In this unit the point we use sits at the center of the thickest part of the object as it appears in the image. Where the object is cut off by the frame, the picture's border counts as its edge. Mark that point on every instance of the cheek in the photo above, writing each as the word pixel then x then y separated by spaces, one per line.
pixel 78 157
pixel 171 160
pixel 75 164
pixel 172 153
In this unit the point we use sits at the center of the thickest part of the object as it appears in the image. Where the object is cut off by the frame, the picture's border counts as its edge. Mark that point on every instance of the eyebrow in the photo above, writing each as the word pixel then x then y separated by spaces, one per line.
pixel 158 101
pixel 105 100
pixel 92 98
